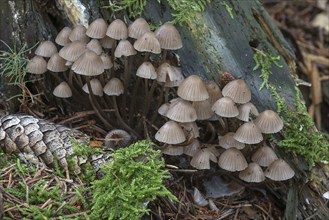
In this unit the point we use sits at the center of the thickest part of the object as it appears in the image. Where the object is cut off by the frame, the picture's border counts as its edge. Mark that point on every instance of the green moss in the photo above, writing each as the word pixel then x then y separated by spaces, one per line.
pixel 133 178
pixel 299 134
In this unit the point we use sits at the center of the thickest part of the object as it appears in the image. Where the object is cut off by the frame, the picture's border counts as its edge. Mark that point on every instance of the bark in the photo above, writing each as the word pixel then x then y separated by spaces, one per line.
pixel 213 43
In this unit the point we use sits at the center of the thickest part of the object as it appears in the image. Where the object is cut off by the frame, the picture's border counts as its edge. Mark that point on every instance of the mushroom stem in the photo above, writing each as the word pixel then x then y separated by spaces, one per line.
pixel 211 129
pixel 114 45
pixel 121 121
pixel 160 98
pixel 164 55
pixel 125 87
pixel 96 107
pixel 133 101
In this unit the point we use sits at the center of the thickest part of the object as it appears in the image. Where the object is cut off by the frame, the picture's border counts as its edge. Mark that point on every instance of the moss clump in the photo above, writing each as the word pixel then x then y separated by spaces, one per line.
pixel 133 178
pixel 299 133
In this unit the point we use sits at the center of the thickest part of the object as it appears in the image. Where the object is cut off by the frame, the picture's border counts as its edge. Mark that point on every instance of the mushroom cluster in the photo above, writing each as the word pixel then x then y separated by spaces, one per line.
pixel 203 102
pixel 86 63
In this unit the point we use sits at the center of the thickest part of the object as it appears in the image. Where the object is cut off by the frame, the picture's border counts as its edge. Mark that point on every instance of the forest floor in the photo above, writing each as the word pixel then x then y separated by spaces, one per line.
pixel 32 193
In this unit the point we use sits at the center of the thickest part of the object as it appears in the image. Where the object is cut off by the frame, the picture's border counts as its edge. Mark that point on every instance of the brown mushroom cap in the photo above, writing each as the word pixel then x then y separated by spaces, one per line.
pixel 181 111
pixel 225 107
pixel 269 122
pixel 95 45
pixel 203 109
pixel 169 37
pixel 170 133
pixel 37 65
pixel 253 173
pixel 165 71
pixel 124 48
pixel 176 78
pixel 88 64
pixel 227 141
pixel 46 49
pixel 62 37
pixel 79 34
pixel 264 156
pixel 114 87
pixel 97 29
pixel 117 138
pixel 148 43
pixel 192 89
pixel 107 42
pixel 96 87
pixel 245 110
pixel 56 64
pixel 232 160
pixel 192 148
pixel 163 109
pixel 147 71
pixel 63 90
pixel 201 159
pixel 117 30
pixel 138 28
pixel 72 51
pixel 238 91
pixel 248 133
pixel 279 170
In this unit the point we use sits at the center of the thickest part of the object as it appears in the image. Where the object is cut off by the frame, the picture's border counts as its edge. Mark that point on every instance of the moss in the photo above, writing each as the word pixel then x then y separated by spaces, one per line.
pixel 299 134
pixel 134 178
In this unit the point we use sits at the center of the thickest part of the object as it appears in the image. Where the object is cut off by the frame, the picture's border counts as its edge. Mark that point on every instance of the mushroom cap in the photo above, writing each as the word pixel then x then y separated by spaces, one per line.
pixel 181 111
pixel 173 150
pixel 213 91
pixel 56 64
pixel 46 49
pixel 170 133
pixel 245 110
pixel 148 43
pixel 107 42
pixel 117 30
pixel 95 45
pixel 225 107
pixel 79 34
pixel 162 110
pixel 117 138
pixel 62 37
pixel 192 148
pixel 176 78
pixel 238 91
pixel 165 71
pixel 37 65
pixel 279 170
pixel 96 87
pixel 63 90
pixel 106 61
pixel 114 87
pixel 227 141
pixel 269 122
pixel 232 160
pixel 169 37
pixel 203 109
pixel 253 173
pixel 97 29
pixel 264 156
pixel 88 64
pixel 72 51
pixel 201 159
pixel 124 48
pixel 147 71
pixel 248 133
pixel 192 89
pixel 138 28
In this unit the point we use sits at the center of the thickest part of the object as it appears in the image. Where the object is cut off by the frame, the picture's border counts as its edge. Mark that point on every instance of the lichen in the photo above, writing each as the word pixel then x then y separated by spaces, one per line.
pixel 299 133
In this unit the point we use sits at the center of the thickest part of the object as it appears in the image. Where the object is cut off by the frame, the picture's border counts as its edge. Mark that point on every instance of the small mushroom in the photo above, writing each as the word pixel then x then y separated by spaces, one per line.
pixel 170 133
pixel 225 107
pixel 279 170
pixel 248 133
pixel 97 29
pixel 232 160
pixel 62 90
pixel 238 91
pixel 192 89
pixel 264 156
pixel 253 173
pixel 269 122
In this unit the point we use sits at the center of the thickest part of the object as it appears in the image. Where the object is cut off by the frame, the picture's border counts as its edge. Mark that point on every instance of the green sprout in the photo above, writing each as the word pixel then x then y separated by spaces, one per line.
pixel 134 7
pixel 228 9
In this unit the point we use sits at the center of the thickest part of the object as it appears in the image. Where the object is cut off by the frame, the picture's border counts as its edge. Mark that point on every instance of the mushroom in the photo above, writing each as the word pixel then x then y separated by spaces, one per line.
pixel 117 138
pixel 71 52
pixel 79 34
pixel 62 90
pixel 96 87
pixel 213 91
pixel 232 160
pixel 245 110
pixel 170 133
pixel 181 111
pixel 62 37
pixel 238 91
pixel 269 122
pixel 192 148
pixel 227 141
pixel 173 150
pixel 56 63
pixel 37 65
pixel 95 46
pixel 225 107
pixel 248 133
pixel 192 89
pixel 253 173
pixel 97 29
pixel 138 28
pixel 264 156
pixel 201 159
pixel 279 170
pixel 46 49
pixel 203 109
